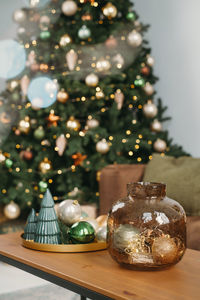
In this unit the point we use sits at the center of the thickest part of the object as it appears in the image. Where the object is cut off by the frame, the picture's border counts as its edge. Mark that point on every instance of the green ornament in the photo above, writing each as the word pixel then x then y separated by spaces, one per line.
pixel 8 163
pixel 43 186
pixel 82 233
pixel 39 133
pixel 84 32
pixel 15 96
pixel 44 35
pixel 131 16
pixel 139 82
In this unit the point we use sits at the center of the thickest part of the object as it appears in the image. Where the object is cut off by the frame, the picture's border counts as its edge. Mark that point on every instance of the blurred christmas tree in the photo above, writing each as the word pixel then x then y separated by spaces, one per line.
pixel 85 100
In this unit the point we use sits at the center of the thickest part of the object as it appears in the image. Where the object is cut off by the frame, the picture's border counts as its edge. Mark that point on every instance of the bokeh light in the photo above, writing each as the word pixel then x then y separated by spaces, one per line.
pixel 36 3
pixel 42 92
pixel 12 59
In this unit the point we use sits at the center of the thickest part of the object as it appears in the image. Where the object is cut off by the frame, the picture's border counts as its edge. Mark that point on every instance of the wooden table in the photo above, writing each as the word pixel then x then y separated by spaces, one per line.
pixel 97 276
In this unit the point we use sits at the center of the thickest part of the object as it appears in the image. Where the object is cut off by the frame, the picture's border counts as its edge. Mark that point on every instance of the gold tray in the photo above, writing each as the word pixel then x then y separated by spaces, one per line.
pixel 96 246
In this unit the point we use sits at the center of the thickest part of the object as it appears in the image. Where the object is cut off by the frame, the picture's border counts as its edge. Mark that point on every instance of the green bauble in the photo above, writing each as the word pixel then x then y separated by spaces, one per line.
pixel 44 35
pixel 130 16
pixel 43 186
pixel 39 133
pixel 139 82
pixel 82 233
pixel 8 163
pixel 15 96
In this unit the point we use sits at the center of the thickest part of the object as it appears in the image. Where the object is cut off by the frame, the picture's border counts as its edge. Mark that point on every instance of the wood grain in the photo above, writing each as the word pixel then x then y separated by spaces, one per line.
pixel 98 272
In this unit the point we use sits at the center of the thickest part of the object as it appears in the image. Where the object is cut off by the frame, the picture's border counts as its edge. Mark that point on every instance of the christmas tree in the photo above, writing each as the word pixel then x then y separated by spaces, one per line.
pixel 85 100
pixel 47 229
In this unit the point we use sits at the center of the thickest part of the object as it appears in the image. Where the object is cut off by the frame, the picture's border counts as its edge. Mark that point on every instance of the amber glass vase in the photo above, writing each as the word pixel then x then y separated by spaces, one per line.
pixel 146 230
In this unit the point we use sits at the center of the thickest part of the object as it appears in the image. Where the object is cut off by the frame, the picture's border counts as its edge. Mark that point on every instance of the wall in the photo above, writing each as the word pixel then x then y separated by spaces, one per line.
pixel 175 42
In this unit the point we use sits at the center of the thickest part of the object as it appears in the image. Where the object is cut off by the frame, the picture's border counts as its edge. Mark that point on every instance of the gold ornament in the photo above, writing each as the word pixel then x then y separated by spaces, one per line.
pixel 119 99
pixel 149 89
pixel 86 17
pixel 12 210
pixel 156 126
pixel 92 80
pixel 53 119
pixel 24 125
pixel 71 58
pixel 62 96
pixel 73 124
pixel 45 165
pixel 100 95
pixel 44 67
pixel 102 146
pixel 78 158
pixel 93 123
pixel 150 109
pixel 109 10
pixel 160 145
pixel 103 65
pixel 164 250
pixel 65 40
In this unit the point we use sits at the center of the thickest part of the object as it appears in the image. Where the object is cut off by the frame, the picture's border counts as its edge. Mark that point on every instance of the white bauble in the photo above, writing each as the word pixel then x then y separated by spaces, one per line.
pixel 12 210
pixel 84 32
pixel 150 61
pixel 149 89
pixel 160 145
pixel 2 158
pixel 150 110
pixel 134 39
pixel 92 80
pixel 69 211
pixel 69 8
pixel 102 146
pixel 93 123
pixel 19 16
pixel 156 126
pixel 102 234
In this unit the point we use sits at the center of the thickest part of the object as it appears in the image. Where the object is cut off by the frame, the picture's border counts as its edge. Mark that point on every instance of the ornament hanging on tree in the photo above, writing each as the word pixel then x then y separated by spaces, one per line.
pixel 111 42
pixel 69 8
pixel 150 110
pixel 134 39
pixel 24 83
pixel 71 58
pixel 78 158
pixel 21 31
pixel 44 35
pixel 62 96
pixel 34 67
pixel 45 165
pixel 19 16
pixel 69 211
pixel 92 80
pixel 44 22
pixel 160 145
pixel 150 61
pixel 119 60
pixel 156 126
pixel 12 210
pixel 103 65
pixel 86 17
pixel 130 16
pixel 61 143
pixel 99 94
pixel 2 157
pixel 145 71
pixel 44 67
pixel 65 40
pixel 53 119
pixel 149 89
pixel 109 10
pixel 39 133
pixel 102 146
pixel 92 123
pixel 119 99
pixel 8 163
pixel 12 85
pixel 31 58
pixel 27 154
pixel 139 82
pixel 24 125
pixel 73 124
pixel 84 32
pixel 82 233
pixel 43 186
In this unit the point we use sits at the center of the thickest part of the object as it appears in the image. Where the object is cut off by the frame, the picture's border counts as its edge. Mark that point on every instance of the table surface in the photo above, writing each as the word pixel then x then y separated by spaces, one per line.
pixel 96 271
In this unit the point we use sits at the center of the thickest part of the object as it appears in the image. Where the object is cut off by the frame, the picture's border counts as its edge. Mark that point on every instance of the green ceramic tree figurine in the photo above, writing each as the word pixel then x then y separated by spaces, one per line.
pixel 47 229
pixel 30 228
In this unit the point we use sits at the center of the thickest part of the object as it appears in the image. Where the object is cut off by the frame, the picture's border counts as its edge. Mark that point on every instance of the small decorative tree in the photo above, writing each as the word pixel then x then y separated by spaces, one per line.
pixel 30 228
pixel 47 229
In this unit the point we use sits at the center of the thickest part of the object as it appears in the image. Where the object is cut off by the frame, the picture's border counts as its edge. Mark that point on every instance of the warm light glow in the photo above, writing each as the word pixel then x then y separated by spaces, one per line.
pixel 130 153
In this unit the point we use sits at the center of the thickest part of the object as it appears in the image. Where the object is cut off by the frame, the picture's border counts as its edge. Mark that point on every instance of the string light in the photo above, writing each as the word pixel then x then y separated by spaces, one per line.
pixel 41 196
pixel 128 132
pixel 50 180
pixel 140 136
pixel 111 138
pixel 67 135
pixel 17 169
pixel 137 147
pixel 3 191
pixel 59 172
pixel 150 142
pixel 140 106
pixel 139 159
pixel 124 141
pixel 137 141
pixel 150 157
pixel 134 121
pixel 81 133
pixel 18 146
pixel 27 191
pixel 130 153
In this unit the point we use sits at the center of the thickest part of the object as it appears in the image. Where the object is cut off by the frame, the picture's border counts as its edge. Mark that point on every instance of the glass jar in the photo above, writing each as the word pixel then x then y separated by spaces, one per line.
pixel 146 230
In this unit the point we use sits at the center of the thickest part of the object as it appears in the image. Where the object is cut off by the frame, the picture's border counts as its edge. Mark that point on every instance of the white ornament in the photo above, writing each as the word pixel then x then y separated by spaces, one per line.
pixel 160 145
pixel 103 65
pixel 19 16
pixel 69 8
pixel 102 146
pixel 69 211
pixel 44 22
pixel 149 89
pixel 134 39
pixel 119 60
pixel 84 32
pixel 119 99
pixel 102 234
pixel 156 126
pixel 92 80
pixel 71 58
pixel 12 210
pixel 2 158
pixel 24 83
pixel 150 110
pixel 61 143
pixel 93 123
pixel 150 61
